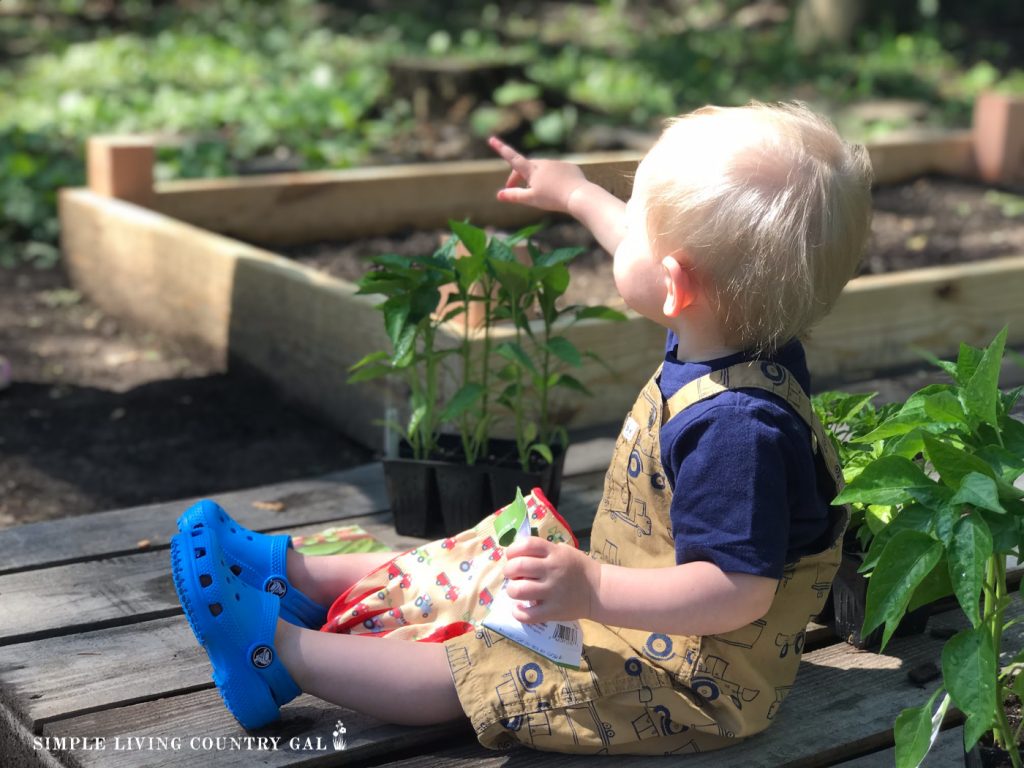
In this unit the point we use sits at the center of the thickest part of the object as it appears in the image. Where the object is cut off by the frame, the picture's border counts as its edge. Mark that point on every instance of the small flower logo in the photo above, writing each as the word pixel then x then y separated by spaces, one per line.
pixel 339 737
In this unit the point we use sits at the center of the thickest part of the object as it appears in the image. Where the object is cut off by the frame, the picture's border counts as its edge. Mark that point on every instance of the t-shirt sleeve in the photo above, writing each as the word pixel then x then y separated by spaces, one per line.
pixel 730 499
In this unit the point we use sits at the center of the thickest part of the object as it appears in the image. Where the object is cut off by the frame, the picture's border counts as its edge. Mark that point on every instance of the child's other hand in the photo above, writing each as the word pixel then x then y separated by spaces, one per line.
pixel 544 184
pixel 552 582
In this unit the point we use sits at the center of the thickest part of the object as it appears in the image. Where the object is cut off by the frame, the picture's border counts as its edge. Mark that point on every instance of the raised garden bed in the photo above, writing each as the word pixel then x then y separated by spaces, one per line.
pixel 151 256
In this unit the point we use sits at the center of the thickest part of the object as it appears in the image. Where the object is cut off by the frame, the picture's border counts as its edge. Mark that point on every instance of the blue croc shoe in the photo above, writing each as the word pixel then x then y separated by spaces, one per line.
pixel 258 559
pixel 235 624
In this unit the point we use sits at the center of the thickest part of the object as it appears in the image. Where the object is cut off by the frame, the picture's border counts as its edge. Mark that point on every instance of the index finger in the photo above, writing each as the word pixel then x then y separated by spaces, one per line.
pixel 509 155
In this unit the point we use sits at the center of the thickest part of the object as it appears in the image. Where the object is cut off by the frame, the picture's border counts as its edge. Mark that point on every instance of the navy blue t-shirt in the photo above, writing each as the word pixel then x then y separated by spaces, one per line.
pixel 745 490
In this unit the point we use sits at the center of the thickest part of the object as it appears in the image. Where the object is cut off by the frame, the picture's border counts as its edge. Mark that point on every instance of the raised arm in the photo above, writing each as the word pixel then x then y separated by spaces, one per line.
pixel 695 598
pixel 555 185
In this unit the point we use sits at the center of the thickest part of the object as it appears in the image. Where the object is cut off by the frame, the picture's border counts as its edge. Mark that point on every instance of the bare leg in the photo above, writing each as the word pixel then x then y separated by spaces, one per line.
pixel 396 681
pixel 323 578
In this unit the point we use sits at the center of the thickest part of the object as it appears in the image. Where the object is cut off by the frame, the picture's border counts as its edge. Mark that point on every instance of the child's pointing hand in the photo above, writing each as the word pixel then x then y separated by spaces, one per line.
pixel 550 582
pixel 545 184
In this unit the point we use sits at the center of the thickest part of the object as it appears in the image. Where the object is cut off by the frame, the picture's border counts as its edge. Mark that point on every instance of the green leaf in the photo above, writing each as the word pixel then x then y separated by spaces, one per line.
pixel 905 561
pixel 469 269
pixel 948 366
pixel 953 464
pixel 395 318
pixel 558 256
pixel 967 363
pixel 885 481
pixel 404 347
pixel 969 672
pixel 462 401
pixel 571 382
pixel 916 730
pixel 370 372
pixel 474 238
pixel 543 451
pixel 416 419
pixel 912 517
pixel 513 276
pixel 981 393
pixel 979 491
pixel 968 553
pixel 565 351
pixel 911 415
pixel 945 407
pixel 555 281
pixel 935 586
pixel 1013 435
pixel 373 357
pixel 600 313
pixel 515 353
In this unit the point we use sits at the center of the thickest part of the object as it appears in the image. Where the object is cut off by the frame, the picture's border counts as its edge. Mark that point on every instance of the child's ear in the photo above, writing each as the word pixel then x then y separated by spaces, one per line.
pixel 680 287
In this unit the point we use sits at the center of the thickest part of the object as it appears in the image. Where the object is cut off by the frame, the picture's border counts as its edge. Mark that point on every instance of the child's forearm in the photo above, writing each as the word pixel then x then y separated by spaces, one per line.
pixel 600 212
pixel 696 598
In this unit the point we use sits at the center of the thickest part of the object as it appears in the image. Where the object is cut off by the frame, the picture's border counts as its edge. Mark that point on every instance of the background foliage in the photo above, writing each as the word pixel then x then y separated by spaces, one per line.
pixel 239 85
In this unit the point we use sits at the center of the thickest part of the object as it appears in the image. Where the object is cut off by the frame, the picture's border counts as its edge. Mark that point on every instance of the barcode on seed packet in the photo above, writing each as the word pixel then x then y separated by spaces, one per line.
pixel 565 634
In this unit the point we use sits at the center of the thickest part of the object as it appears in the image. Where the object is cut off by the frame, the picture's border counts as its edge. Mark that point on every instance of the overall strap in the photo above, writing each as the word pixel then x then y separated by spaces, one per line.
pixel 771 377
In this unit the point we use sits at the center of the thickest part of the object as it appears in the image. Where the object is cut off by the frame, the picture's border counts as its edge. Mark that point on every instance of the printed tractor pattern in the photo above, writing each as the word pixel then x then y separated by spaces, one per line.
pixel 744 637
pixel 709 682
pixel 439 589
pixel 644 692
pixel 794 642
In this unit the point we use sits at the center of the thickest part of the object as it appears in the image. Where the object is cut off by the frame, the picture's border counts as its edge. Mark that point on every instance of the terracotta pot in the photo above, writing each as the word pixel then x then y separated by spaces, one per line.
pixel 999 137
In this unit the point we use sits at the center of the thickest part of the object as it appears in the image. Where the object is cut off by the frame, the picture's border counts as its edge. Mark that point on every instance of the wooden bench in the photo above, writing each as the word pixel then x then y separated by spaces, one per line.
pixel 94 647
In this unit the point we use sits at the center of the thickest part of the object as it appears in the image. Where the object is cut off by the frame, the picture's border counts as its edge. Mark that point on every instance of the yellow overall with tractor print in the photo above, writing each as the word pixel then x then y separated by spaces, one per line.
pixel 640 692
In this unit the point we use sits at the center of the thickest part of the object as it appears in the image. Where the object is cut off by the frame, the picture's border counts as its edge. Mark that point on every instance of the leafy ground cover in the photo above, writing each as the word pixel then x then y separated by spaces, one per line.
pixel 238 85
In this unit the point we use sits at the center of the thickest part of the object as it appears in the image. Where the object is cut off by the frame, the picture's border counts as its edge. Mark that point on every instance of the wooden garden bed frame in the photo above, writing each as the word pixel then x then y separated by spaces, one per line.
pixel 171 257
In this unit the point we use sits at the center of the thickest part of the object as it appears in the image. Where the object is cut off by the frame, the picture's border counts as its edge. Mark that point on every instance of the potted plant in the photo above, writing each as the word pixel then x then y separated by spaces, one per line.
pixel 852 422
pixel 949 464
pixel 451 471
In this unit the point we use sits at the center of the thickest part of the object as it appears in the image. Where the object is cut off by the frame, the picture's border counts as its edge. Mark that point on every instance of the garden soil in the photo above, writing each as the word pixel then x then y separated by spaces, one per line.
pixel 929 222
pixel 101 416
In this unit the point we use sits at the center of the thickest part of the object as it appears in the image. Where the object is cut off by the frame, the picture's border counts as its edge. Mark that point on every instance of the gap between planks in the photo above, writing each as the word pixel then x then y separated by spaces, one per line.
pixel 333 497
pixel 850 697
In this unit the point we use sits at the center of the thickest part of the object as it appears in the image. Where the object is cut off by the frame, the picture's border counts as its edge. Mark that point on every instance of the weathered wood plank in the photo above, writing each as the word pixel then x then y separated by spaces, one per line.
pixel 86 596
pixel 114 591
pixel 950 153
pixel 61 677
pixel 339 495
pixel 947 752
pixel 201 728
pixel 306 207
pixel 844 703
pixel 323 500
pixel 880 321
pixel 323 205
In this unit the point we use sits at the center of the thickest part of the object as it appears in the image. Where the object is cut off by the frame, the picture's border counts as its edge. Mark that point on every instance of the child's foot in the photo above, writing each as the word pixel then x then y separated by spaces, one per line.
pixel 258 559
pixel 235 624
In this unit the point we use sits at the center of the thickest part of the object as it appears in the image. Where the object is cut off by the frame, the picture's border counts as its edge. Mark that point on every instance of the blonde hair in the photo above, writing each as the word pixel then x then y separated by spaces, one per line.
pixel 772 207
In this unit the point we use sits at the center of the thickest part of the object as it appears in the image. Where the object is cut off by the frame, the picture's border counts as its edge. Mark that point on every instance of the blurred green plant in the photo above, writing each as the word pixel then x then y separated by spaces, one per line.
pixel 223 83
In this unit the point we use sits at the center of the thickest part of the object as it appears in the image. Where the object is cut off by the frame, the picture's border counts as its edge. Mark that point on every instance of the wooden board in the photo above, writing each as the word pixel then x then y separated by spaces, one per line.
pixel 880 321
pixel 302 330
pixel 295 208
pixel 844 705
pixel 318 501
pixel 349 493
pixel 197 720
pixel 947 752
pixel 298 208
pixel 898 160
